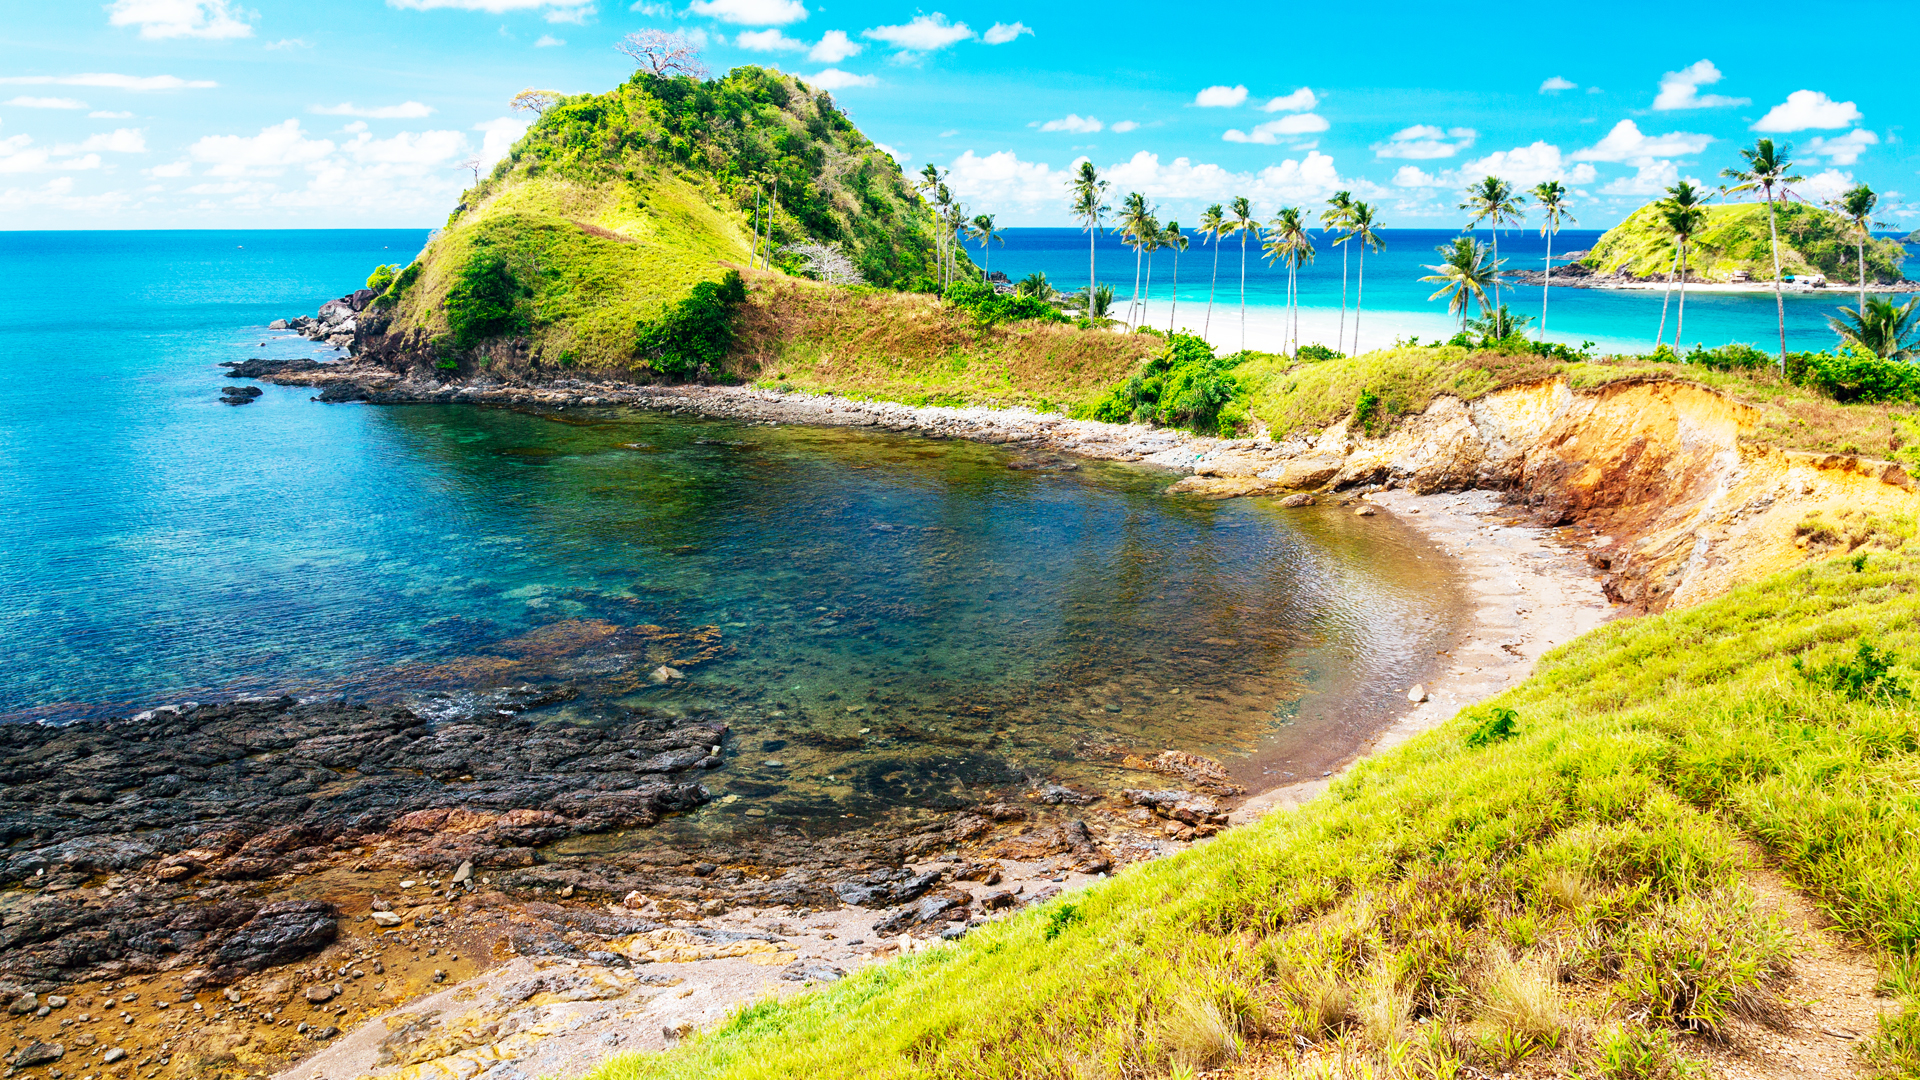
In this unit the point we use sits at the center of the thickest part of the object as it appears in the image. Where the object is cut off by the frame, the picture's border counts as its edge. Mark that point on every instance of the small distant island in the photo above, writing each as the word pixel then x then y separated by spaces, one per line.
pixel 1817 249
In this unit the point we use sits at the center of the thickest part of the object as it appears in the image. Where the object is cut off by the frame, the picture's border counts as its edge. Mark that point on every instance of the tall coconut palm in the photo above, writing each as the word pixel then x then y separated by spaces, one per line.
pixel 1213 227
pixel 1289 239
pixel 1684 211
pixel 1334 219
pixel 1244 224
pixel 1153 240
pixel 1553 210
pixel 1175 240
pixel 1088 189
pixel 1856 205
pixel 1464 274
pixel 1361 233
pixel 1492 200
pixel 1134 215
pixel 1885 329
pixel 981 229
pixel 1768 167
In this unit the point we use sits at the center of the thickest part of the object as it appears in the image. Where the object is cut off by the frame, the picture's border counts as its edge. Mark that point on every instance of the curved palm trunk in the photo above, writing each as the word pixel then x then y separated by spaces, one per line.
pixel 1341 340
pixel 1359 296
pixel 1666 300
pixel 1293 301
pixel 1243 290
pixel 1863 270
pixel 1133 305
pixel 1091 233
pixel 1496 265
pixel 1680 322
pixel 1172 314
pixel 1146 298
pixel 1207 327
pixel 1779 302
pixel 1545 283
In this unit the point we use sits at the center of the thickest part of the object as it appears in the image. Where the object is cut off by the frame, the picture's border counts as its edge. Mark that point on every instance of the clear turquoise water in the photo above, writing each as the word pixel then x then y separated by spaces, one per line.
pixel 1396 299
pixel 945 596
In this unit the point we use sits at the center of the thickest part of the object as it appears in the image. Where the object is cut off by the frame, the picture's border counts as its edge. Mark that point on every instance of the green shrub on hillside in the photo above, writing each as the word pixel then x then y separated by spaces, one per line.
pixel 1307 354
pixel 484 300
pixel 695 332
pixel 383 276
pixel 1854 376
pixel 990 308
pixel 1184 386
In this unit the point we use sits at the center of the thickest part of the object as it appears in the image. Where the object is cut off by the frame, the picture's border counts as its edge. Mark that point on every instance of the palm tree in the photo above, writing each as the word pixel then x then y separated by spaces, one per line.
pixel 1177 240
pixel 1885 329
pixel 1360 231
pixel 1289 239
pixel 1493 201
pixel 1333 218
pixel 1553 208
pixel 1464 274
pixel 1499 323
pixel 1244 224
pixel 1856 205
pixel 1685 212
pixel 981 229
pixel 1088 190
pixel 1767 167
pixel 1213 226
pixel 1152 239
pixel 1134 215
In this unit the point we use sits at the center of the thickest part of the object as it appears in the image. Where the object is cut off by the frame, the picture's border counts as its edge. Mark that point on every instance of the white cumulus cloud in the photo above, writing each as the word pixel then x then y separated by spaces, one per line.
pixel 1650 178
pixel 25 102
pixel 1681 89
pixel 751 12
pixel 269 153
pixel 835 79
pixel 1525 166
pixel 1221 97
pixel 1273 130
pixel 162 19
pixel 900 156
pixel 1002 179
pixel 769 40
pixel 408 110
pixel 548 41
pixel 105 114
pixel 121 141
pixel 1074 122
pixel 1825 185
pixel 833 47
pixel 577 16
pixel 924 34
pixel 566 8
pixel 1841 149
pixel 498 137
pixel 1001 33
pixel 1805 109
pixel 1300 100
pixel 1626 143
pixel 1423 142
pixel 1125 126
pixel 138 83
pixel 1556 84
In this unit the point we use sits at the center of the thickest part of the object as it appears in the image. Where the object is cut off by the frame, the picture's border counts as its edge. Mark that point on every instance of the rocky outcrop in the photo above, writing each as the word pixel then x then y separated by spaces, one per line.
pixel 1686 509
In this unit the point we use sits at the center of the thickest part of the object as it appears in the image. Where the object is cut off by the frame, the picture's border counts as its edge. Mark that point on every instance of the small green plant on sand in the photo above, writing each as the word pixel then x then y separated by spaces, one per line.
pixel 1498 725
pixel 1868 675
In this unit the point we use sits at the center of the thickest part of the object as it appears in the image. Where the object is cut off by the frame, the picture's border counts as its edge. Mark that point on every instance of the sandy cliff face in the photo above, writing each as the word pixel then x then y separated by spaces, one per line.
pixel 1685 509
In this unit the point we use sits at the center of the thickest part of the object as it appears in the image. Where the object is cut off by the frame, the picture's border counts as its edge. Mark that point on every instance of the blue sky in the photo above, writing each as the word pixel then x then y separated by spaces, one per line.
pixel 228 113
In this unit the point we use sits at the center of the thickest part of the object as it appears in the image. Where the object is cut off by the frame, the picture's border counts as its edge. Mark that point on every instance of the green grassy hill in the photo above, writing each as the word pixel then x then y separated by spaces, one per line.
pixel 1812 240
pixel 613 206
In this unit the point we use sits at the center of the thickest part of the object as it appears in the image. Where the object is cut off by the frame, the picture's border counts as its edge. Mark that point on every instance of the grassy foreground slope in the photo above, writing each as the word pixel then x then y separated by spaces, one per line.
pixel 1565 885
pixel 1812 240
pixel 613 206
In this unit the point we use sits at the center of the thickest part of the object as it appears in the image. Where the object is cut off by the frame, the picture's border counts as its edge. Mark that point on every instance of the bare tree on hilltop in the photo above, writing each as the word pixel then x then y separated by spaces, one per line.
pixel 536 102
pixel 663 54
